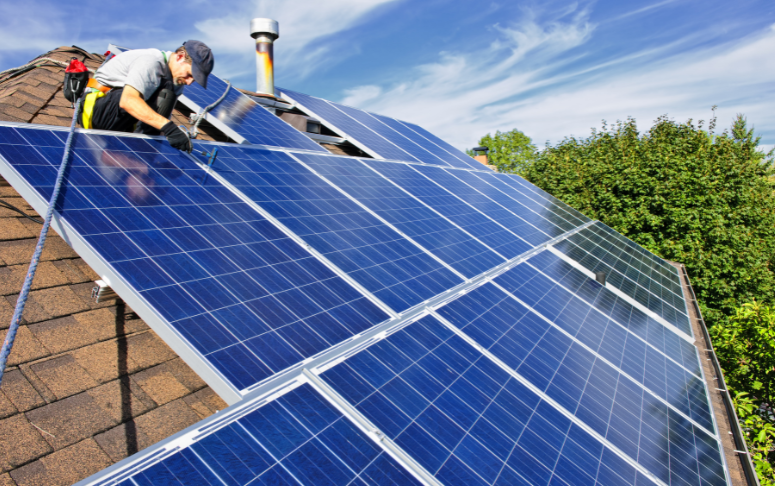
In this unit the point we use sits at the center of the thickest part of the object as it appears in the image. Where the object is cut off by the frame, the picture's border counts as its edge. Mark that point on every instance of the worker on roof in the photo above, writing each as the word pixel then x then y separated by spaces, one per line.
pixel 135 91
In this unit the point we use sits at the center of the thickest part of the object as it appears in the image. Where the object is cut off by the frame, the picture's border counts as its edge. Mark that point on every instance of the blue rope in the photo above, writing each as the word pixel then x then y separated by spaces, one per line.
pixel 17 315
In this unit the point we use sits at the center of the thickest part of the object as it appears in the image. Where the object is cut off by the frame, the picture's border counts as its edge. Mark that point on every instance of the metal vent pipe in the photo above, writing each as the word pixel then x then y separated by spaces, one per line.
pixel 265 31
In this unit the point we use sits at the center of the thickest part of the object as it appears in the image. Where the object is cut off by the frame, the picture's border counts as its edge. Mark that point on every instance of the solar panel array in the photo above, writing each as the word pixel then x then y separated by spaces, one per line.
pixel 383 322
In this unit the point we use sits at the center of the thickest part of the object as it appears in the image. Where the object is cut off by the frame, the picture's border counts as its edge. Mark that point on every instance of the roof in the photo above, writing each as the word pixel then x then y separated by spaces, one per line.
pixel 87 384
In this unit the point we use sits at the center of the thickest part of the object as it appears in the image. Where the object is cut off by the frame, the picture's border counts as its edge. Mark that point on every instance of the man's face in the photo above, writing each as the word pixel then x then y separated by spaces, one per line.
pixel 180 69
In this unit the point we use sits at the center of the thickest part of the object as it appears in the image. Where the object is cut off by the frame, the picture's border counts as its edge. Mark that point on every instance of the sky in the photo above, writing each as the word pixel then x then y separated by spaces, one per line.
pixel 460 68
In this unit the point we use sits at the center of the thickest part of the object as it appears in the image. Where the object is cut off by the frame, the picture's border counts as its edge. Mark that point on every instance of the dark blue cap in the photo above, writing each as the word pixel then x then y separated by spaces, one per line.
pixel 202 60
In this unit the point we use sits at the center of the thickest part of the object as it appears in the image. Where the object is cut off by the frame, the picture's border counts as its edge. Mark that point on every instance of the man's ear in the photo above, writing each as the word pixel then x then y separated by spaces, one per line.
pixel 180 56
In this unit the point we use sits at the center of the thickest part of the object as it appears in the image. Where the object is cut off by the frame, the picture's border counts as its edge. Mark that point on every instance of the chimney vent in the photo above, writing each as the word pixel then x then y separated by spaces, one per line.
pixel 265 32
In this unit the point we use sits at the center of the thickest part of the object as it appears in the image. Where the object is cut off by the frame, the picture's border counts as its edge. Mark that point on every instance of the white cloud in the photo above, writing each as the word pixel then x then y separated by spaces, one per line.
pixel 522 81
pixel 303 24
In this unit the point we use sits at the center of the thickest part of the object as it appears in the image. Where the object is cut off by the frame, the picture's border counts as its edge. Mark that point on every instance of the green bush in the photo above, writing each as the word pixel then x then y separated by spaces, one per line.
pixel 745 347
pixel 682 192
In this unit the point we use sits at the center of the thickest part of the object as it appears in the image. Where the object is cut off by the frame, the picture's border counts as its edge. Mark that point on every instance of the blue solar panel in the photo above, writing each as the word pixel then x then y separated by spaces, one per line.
pixel 298 438
pixel 616 308
pixel 495 236
pixel 467 421
pixel 645 262
pixel 486 308
pixel 585 248
pixel 408 214
pixel 485 182
pixel 534 192
pixel 350 128
pixel 466 160
pixel 388 265
pixel 460 161
pixel 245 118
pixel 247 298
pixel 612 405
pixel 498 206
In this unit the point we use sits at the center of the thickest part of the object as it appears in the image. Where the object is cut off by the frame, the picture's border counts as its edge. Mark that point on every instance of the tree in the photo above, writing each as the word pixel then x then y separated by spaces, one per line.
pixel 509 151
pixel 683 193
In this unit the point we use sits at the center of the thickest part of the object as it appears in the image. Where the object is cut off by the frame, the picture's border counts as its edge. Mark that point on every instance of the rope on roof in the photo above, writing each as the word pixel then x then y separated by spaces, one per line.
pixel 20 303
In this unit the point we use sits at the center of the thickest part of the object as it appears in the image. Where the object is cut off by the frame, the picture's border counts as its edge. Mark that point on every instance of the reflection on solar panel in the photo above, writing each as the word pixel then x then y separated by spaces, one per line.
pixel 380 136
pixel 652 283
pixel 381 322
pixel 243 119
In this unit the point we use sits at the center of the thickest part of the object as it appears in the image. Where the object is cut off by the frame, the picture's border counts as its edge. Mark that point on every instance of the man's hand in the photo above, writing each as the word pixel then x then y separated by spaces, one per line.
pixel 177 137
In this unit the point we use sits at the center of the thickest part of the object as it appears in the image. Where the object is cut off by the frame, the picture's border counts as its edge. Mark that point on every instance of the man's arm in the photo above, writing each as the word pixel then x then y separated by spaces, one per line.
pixel 134 104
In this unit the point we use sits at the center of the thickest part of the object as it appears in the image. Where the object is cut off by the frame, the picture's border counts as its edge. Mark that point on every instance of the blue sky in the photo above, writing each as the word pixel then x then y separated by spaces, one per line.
pixel 460 68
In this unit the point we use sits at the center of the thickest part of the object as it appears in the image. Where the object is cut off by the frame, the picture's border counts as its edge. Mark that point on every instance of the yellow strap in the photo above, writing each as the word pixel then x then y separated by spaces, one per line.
pixel 88 107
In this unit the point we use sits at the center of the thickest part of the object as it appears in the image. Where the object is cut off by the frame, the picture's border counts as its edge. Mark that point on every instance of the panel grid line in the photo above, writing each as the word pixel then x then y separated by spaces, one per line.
pixel 299 240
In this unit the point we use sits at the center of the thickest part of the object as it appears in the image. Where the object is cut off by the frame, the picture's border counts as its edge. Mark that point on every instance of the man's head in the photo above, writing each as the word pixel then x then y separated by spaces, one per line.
pixel 193 61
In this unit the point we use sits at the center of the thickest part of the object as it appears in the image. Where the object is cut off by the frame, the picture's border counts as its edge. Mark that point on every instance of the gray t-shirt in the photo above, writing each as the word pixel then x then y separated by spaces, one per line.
pixel 141 69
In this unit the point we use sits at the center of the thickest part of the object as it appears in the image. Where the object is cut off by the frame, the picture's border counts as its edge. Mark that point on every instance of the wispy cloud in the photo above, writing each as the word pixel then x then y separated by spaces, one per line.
pixel 525 80
pixel 304 24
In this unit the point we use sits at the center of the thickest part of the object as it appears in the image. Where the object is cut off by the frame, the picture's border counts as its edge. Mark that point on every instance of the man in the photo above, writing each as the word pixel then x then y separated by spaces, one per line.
pixel 136 90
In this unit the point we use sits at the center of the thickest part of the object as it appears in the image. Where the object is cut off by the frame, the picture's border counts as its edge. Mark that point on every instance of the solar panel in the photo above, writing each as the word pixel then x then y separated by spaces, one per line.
pixel 381 322
pixel 243 119
pixel 409 215
pixel 297 438
pixel 492 234
pixel 380 136
pixel 240 295
pixel 380 259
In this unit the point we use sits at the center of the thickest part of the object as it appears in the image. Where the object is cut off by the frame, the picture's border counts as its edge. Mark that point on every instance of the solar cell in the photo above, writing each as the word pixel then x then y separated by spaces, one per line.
pixel 298 438
pixel 498 238
pixel 610 404
pixel 243 119
pixel 466 420
pixel 407 213
pixel 396 271
pixel 237 291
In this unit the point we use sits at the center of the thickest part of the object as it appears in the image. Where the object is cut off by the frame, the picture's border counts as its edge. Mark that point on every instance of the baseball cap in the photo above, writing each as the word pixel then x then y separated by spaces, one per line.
pixel 202 60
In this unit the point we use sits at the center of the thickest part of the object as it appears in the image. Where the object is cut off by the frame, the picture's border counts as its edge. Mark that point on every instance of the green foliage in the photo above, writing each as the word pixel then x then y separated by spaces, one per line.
pixel 683 193
pixel 745 347
pixel 509 151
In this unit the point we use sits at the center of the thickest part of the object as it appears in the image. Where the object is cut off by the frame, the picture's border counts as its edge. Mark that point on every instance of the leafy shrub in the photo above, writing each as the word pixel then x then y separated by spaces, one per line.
pixel 745 347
